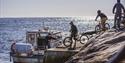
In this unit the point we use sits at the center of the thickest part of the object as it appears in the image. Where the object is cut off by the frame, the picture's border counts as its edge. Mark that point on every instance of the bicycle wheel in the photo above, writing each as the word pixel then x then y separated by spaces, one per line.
pixel 67 42
pixel 84 39
pixel 97 29
pixel 107 26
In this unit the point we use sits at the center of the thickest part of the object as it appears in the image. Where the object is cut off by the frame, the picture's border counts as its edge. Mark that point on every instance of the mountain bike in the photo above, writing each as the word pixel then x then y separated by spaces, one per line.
pixel 120 21
pixel 98 27
pixel 82 38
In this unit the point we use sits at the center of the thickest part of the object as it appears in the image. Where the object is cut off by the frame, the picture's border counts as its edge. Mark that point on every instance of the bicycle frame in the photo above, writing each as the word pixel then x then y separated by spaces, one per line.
pixel 99 23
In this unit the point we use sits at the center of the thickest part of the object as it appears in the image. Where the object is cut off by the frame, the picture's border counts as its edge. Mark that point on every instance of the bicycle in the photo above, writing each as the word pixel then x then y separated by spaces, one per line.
pixel 98 27
pixel 82 38
pixel 120 22
pixel 123 20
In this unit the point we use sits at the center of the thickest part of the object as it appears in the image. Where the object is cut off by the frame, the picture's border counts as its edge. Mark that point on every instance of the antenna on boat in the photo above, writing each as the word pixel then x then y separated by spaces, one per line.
pixel 43 24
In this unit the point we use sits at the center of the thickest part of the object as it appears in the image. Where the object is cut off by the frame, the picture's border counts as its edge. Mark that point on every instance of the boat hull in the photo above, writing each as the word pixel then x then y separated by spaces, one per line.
pixel 28 59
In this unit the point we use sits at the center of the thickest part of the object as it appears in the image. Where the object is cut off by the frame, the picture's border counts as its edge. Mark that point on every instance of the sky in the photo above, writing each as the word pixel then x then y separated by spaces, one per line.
pixel 47 8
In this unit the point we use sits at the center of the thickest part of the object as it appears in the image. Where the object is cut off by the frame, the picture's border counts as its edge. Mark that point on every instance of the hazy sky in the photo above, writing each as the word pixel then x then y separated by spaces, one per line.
pixel 38 8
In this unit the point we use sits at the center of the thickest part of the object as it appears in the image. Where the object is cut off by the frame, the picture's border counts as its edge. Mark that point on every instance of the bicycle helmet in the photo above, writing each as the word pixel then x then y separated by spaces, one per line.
pixel 71 22
pixel 99 11
pixel 118 0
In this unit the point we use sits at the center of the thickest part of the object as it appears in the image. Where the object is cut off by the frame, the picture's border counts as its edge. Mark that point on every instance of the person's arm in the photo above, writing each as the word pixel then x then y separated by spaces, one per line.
pixel 70 29
pixel 53 38
pixel 113 10
pixel 123 8
pixel 50 38
pixel 106 17
pixel 96 17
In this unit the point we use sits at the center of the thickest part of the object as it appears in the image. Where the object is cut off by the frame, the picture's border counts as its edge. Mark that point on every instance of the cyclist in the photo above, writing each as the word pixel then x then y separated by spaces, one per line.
pixel 103 19
pixel 117 10
pixel 73 31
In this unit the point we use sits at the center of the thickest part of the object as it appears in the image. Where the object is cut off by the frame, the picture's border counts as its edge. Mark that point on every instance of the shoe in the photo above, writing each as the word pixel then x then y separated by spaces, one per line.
pixel 114 27
pixel 120 28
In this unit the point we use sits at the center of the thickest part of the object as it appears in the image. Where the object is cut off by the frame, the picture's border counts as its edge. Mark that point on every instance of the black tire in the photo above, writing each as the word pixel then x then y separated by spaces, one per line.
pixel 97 29
pixel 107 26
pixel 84 39
pixel 67 42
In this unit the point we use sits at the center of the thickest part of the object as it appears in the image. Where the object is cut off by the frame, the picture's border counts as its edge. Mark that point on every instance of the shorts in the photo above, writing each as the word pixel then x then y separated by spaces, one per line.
pixel 103 20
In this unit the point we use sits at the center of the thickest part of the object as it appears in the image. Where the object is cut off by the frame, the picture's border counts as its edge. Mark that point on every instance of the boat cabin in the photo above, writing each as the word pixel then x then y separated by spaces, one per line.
pixel 37 39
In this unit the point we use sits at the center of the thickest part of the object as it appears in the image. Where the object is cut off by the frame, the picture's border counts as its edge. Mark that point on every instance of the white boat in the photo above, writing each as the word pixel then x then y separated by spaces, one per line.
pixel 32 51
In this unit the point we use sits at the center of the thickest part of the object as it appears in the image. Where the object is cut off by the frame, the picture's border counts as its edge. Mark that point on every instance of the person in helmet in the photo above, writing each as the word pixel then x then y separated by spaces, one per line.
pixel 103 19
pixel 73 31
pixel 13 50
pixel 117 10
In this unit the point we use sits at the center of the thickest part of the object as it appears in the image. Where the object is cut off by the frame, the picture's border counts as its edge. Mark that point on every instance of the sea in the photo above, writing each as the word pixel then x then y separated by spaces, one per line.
pixel 15 29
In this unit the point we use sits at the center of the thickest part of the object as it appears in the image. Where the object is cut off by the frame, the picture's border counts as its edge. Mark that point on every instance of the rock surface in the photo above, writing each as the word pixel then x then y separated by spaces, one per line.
pixel 102 48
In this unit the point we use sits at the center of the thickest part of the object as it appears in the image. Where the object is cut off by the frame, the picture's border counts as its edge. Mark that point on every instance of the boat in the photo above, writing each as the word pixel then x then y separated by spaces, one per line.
pixel 33 50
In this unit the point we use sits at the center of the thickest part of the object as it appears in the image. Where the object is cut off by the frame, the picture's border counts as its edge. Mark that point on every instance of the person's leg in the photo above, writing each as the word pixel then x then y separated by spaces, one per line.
pixel 119 21
pixel 71 37
pixel 115 20
pixel 120 18
pixel 49 45
pixel 103 24
pixel 11 56
pixel 75 39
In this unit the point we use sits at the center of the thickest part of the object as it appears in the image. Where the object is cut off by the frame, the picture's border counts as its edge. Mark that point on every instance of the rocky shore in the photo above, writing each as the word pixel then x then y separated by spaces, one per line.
pixel 106 47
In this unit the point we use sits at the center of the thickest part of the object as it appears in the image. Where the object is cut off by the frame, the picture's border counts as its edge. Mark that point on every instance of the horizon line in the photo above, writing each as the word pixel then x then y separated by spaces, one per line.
pixel 43 16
